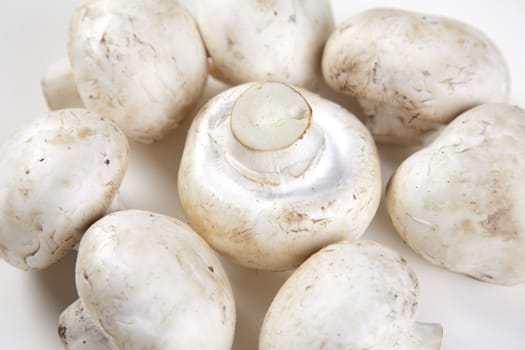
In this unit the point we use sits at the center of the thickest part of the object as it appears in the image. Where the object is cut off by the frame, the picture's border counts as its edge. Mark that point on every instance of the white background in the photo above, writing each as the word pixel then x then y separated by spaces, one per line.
pixel 474 315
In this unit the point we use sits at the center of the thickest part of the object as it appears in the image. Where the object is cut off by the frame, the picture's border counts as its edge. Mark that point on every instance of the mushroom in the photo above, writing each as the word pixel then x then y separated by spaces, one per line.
pixel 147 281
pixel 59 174
pixel 141 63
pixel 459 202
pixel 271 173
pixel 78 331
pixel 349 295
pixel 258 40
pixel 413 73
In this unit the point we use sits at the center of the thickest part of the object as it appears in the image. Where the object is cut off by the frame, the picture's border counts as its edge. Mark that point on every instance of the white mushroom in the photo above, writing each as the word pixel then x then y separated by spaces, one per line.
pixel 58 175
pixel 270 174
pixel 460 201
pixel 254 40
pixel 148 281
pixel 351 296
pixel 141 63
pixel 78 331
pixel 413 72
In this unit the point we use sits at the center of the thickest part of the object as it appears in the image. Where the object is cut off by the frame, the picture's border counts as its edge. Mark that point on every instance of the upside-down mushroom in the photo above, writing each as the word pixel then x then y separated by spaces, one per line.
pixel 271 173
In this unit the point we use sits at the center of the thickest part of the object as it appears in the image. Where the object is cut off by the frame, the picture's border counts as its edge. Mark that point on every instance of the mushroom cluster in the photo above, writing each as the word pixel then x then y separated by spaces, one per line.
pixel 272 176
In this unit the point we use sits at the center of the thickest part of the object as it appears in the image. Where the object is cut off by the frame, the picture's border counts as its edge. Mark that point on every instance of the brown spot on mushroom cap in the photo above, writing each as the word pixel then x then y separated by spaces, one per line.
pixel 61 139
pixel 267 4
pixel 62 334
pixel 85 132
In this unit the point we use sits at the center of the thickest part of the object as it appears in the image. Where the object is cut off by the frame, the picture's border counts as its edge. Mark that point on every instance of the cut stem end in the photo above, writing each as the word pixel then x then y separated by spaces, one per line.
pixel 270 116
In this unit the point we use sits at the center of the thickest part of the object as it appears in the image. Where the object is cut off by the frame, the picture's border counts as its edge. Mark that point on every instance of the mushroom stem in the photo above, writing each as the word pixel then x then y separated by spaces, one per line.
pixel 274 138
pixel 77 330
pixel 422 336
pixel 59 87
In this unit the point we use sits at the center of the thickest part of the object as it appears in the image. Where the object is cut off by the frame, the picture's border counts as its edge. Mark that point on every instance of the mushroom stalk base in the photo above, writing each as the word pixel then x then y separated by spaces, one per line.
pixel 272 137
pixel 59 87
pixel 423 336
pixel 77 330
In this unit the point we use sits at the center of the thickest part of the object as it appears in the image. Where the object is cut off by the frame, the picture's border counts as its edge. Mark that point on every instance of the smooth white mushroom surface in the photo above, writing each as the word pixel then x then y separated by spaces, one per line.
pixel 254 40
pixel 350 295
pixel 150 282
pixel 271 174
pixel 141 63
pixel 460 202
pixel 413 72
pixel 58 174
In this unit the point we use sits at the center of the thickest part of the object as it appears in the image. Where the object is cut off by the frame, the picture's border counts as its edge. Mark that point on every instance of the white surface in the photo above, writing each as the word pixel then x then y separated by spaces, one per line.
pixel 474 315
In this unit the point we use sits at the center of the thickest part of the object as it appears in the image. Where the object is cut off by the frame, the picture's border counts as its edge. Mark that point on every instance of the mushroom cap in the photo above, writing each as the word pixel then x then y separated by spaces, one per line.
pixel 274 223
pixel 350 295
pixel 253 40
pixel 412 72
pixel 141 63
pixel 459 202
pixel 59 174
pixel 150 282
